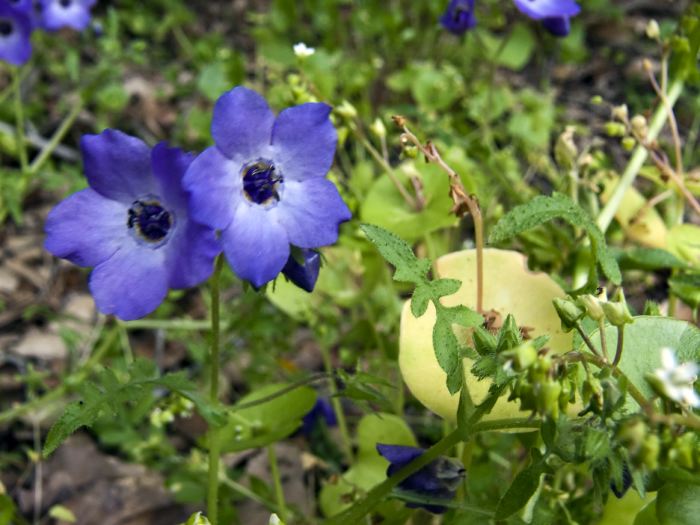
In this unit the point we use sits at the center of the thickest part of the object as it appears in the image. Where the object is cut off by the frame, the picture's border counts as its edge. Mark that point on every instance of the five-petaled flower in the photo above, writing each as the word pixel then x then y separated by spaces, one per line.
pixel 554 14
pixel 438 480
pixel 75 14
pixel 132 224
pixel 459 16
pixel 15 33
pixel 263 184
pixel 675 381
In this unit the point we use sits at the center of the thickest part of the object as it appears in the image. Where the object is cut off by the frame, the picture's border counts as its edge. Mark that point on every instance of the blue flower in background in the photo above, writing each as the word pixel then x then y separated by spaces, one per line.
pixel 15 33
pixel 56 14
pixel 439 479
pixel 459 16
pixel 264 182
pixel 302 268
pixel 554 14
pixel 322 411
pixel 132 225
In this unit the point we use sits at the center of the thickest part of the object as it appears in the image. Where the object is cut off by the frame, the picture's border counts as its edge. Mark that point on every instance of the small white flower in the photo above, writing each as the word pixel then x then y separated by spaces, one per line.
pixel 303 51
pixel 676 380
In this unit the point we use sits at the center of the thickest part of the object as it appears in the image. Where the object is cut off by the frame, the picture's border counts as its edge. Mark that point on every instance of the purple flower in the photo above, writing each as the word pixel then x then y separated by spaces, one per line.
pixel 459 16
pixel 438 480
pixel 554 14
pixel 302 268
pixel 322 411
pixel 56 14
pixel 15 33
pixel 263 184
pixel 132 225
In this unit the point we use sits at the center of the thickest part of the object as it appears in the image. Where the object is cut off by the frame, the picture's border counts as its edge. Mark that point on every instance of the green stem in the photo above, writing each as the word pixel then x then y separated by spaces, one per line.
pixel 620 344
pixel 587 340
pixel 19 117
pixel 337 406
pixel 277 480
pixel 213 438
pixel 56 139
pixel 638 157
pixel 603 339
pixel 167 324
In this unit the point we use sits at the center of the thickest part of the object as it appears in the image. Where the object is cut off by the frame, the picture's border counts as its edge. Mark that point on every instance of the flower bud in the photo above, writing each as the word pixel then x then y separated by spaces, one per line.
pixel 620 113
pixel 198 519
pixel 628 143
pixel 615 129
pixel 569 313
pixel 410 151
pixel 523 356
pixel 652 30
pixel 377 128
pixel 548 399
pixel 565 151
pixel 346 110
pixel 632 434
pixel 616 311
pixel 683 449
pixel 649 453
pixel 639 126
pixel 593 305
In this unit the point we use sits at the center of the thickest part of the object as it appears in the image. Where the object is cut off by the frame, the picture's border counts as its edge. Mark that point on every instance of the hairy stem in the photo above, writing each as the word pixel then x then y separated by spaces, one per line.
pixel 19 118
pixel 56 139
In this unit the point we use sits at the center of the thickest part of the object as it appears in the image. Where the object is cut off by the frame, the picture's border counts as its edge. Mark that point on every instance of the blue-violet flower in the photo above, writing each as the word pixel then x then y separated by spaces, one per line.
pixel 263 184
pixel 56 14
pixel 554 14
pixel 302 268
pixel 438 480
pixel 132 225
pixel 459 16
pixel 15 33
pixel 322 411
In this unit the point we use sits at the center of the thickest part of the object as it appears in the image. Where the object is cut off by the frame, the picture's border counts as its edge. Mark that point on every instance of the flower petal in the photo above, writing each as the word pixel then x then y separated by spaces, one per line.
pixel 86 228
pixel 311 212
pixel 398 455
pixel 242 124
pixel 214 185
pixel 191 254
pixel 117 165
pixel 255 244
pixel 75 15
pixel 538 9
pixel 169 166
pixel 15 47
pixel 131 283
pixel 304 141
pixel 557 25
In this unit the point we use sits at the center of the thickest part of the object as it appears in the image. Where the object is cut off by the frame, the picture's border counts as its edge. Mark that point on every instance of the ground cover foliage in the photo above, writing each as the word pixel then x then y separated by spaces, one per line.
pixel 463 288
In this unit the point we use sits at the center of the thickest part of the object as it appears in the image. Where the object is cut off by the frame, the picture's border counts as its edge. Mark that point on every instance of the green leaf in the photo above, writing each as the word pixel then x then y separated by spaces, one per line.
pixel 678 504
pixel 521 490
pixel 398 253
pixel 177 382
pixel 543 209
pixel 432 290
pixel 687 287
pixel 648 259
pixel 271 420
pixel 642 344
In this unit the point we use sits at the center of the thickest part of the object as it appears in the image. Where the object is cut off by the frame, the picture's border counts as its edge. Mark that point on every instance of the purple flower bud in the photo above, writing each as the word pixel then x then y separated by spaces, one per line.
pixel 626 483
pixel 557 25
pixel 438 480
pixel 302 268
pixel 459 17
pixel 322 411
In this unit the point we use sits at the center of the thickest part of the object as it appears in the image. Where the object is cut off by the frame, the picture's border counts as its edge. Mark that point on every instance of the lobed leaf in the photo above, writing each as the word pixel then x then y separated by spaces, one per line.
pixel 397 252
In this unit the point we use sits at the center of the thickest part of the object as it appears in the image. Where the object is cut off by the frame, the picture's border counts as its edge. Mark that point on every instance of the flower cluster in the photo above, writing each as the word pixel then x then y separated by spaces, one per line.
pixel 148 221
pixel 554 14
pixel 675 381
pixel 19 18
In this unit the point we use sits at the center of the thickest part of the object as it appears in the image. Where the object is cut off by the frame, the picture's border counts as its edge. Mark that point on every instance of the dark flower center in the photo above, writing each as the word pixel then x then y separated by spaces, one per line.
pixel 65 3
pixel 6 27
pixel 260 182
pixel 150 220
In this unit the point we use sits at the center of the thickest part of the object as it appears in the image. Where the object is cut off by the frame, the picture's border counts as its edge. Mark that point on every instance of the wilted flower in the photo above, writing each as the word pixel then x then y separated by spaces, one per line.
pixel 675 381
pixel 15 33
pixel 554 14
pixel 302 268
pixel 438 480
pixel 132 225
pixel 459 16
pixel 263 184
pixel 301 50
pixel 75 14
